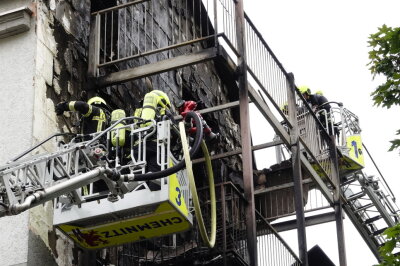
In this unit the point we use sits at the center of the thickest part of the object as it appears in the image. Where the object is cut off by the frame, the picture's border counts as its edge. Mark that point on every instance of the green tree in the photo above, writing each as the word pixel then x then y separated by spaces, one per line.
pixel 385 60
pixel 386 251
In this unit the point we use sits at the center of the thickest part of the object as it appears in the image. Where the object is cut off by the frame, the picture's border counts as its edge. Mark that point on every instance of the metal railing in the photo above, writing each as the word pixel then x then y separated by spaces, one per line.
pixel 274 82
pixel 315 140
pixel 272 249
pixel 146 30
pixel 266 70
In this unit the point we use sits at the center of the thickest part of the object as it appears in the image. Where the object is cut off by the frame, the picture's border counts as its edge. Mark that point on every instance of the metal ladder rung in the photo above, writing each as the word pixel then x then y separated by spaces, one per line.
pixel 365 207
pixel 373 219
pixel 348 181
pixel 379 231
pixel 356 195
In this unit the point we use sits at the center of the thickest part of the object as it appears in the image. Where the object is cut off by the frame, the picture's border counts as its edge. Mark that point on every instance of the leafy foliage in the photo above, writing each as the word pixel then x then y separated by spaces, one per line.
pixel 386 251
pixel 385 60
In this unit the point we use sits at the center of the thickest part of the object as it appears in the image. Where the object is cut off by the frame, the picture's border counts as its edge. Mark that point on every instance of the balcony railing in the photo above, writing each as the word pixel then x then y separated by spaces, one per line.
pixel 149 30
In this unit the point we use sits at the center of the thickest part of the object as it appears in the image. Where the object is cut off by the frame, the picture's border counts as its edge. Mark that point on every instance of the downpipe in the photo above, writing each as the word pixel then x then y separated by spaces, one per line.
pixel 55 191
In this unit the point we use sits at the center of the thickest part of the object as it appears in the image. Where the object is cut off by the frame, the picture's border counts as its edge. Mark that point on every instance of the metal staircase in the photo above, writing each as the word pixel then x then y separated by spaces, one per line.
pixel 216 39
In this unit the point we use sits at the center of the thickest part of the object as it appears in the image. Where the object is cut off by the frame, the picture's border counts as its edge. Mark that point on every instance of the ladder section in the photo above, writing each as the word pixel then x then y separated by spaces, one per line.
pixel 75 168
pixel 22 178
pixel 371 208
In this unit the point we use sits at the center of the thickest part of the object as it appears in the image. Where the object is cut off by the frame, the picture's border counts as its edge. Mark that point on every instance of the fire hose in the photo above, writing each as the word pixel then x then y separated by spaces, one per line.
pixel 210 241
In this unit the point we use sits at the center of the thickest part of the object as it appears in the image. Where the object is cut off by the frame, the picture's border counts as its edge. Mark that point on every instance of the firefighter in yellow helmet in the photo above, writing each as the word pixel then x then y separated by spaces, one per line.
pixel 94 113
pixel 155 104
pixel 319 102
pixel 94 119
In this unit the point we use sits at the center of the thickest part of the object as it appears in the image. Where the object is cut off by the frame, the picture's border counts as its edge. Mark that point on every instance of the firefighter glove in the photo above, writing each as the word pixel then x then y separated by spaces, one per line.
pixel 61 107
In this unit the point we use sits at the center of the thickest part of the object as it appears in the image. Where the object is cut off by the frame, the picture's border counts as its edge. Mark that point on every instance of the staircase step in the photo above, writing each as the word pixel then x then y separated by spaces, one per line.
pixel 379 231
pixel 372 219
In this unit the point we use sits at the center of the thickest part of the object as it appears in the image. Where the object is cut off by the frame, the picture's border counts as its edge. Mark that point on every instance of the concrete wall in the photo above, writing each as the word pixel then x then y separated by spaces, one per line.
pixel 60 74
pixel 17 55
pixel 39 68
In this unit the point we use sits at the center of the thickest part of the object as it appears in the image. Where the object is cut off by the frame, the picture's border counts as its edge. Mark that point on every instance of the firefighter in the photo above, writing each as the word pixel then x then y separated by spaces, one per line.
pixel 94 113
pixel 156 104
pixel 94 119
pixel 319 103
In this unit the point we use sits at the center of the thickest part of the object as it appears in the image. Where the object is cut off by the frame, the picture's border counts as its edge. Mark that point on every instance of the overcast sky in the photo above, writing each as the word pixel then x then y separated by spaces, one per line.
pixel 324 43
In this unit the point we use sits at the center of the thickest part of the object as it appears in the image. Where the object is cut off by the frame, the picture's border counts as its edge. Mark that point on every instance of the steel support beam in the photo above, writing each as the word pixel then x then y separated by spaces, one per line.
pixel 156 68
pixel 247 159
pixel 239 151
pixel 213 109
pixel 297 176
pixel 338 204
pixel 94 46
pixel 309 221
pixel 279 187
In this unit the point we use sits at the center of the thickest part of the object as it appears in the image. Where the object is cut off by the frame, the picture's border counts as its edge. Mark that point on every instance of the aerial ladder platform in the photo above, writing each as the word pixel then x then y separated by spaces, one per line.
pixel 368 200
pixel 102 194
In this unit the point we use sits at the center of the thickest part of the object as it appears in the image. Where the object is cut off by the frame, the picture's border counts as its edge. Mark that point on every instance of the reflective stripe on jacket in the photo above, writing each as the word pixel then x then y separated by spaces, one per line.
pixel 151 102
pixel 94 118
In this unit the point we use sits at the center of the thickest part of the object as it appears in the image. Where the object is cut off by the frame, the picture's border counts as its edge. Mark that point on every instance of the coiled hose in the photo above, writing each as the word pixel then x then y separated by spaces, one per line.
pixel 210 241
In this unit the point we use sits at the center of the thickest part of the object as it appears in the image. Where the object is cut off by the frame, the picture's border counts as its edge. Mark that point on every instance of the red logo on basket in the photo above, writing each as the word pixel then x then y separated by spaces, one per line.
pixel 91 238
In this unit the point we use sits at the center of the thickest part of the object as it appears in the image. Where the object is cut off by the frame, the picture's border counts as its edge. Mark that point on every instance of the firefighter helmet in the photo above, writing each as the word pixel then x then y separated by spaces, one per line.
pixel 97 101
pixel 305 90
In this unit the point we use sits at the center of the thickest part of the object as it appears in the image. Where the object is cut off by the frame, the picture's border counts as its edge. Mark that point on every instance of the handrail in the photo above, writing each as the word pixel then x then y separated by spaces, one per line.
pixel 118 7
pixel 39 144
pixel 266 45
pixel 379 171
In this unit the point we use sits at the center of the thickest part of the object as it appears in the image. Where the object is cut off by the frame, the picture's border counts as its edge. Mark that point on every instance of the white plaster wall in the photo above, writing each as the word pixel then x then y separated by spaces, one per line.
pixel 17 60
pixel 13 4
